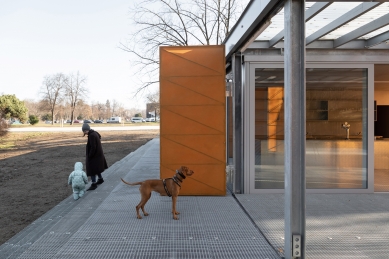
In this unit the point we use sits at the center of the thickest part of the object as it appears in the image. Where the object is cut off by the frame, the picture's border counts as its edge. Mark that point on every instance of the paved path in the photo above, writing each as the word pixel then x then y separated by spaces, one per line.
pixel 103 224
pixel 71 129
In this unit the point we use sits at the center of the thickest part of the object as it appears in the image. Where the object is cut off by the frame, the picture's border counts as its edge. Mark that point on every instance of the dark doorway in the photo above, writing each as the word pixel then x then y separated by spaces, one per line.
pixel 381 126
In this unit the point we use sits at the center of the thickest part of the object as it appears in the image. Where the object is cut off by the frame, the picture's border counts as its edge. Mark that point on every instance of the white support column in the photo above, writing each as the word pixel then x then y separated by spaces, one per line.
pixel 294 128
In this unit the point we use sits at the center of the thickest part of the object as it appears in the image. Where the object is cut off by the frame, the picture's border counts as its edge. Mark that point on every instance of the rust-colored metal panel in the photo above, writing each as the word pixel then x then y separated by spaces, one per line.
pixel 193 123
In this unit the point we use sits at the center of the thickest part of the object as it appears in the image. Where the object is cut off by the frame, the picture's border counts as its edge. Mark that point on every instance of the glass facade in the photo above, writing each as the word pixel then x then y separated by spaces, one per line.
pixel 336 128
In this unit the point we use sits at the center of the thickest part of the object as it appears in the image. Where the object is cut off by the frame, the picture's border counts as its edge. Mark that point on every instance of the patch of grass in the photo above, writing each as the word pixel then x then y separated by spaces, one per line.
pixel 9 140
pixel 96 125
pixel 7 145
pixel 29 135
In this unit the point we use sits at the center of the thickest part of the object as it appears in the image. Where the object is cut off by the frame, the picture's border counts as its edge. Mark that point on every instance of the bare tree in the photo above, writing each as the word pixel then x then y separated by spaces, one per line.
pixel 75 91
pixel 52 91
pixel 121 111
pixel 101 111
pixel 66 109
pixel 61 108
pixel 86 111
pixel 82 111
pixel 176 23
pixel 44 107
pixel 94 110
pixel 153 103
pixel 114 107
pixel 33 107
pixel 125 113
pixel 108 109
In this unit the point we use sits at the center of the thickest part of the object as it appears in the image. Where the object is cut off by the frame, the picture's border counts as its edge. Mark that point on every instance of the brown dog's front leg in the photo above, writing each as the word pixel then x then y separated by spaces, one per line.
pixel 144 212
pixel 174 201
pixel 143 205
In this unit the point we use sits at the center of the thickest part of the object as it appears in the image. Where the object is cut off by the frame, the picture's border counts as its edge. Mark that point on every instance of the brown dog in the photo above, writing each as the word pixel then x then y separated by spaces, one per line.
pixel 169 186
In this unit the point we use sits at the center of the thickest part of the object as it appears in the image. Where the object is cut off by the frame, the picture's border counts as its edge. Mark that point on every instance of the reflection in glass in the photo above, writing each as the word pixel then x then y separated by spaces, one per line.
pixel 336 107
pixel 230 143
pixel 381 127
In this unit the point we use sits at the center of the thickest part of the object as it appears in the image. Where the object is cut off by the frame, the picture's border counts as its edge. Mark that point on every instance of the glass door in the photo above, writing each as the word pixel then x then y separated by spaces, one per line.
pixel 336 128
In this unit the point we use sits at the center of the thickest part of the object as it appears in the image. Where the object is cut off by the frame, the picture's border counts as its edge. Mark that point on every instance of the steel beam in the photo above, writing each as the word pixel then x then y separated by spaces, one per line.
pixel 377 40
pixel 294 60
pixel 253 18
pixel 351 15
pixel 237 113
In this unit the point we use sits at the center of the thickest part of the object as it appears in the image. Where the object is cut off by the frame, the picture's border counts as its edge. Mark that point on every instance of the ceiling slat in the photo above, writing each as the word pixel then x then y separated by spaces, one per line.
pixel 309 14
pixel 351 15
pixel 365 29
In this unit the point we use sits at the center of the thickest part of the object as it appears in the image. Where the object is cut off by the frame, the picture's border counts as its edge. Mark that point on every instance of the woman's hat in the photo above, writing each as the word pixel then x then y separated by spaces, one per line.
pixel 85 127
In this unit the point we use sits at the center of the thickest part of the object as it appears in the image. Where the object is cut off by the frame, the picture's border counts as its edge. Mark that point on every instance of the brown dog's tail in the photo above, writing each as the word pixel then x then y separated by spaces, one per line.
pixel 132 184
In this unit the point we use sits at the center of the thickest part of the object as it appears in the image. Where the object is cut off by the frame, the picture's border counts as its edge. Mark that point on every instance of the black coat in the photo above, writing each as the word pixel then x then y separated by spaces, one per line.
pixel 95 160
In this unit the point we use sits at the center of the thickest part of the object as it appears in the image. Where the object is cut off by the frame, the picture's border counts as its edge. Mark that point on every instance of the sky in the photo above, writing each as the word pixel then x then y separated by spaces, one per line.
pixel 45 37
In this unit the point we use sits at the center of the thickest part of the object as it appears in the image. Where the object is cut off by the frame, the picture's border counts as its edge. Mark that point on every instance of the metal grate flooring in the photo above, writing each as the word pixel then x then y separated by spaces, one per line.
pixel 337 225
pixel 103 223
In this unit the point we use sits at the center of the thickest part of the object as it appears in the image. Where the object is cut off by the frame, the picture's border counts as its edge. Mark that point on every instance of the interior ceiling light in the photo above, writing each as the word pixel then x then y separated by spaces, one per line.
pixel 271 77
pixel 179 51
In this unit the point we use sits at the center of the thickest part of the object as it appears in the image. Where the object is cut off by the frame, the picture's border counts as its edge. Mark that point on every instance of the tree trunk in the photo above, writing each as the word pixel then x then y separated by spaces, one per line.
pixel 71 118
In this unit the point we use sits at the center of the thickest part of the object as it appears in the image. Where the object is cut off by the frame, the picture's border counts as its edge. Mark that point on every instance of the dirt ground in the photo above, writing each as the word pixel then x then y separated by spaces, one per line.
pixel 34 169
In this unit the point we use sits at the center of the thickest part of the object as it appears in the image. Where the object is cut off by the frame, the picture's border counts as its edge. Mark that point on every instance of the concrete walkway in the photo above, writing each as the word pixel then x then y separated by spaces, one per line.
pixel 103 223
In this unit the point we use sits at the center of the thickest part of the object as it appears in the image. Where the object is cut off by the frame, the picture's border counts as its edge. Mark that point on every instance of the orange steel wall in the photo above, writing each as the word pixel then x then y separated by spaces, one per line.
pixel 193 126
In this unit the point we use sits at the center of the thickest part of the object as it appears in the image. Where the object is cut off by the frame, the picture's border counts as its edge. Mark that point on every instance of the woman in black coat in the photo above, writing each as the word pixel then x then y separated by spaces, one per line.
pixel 95 159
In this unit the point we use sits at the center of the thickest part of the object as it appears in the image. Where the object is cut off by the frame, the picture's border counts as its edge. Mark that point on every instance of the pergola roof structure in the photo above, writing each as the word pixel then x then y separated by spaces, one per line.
pixel 329 25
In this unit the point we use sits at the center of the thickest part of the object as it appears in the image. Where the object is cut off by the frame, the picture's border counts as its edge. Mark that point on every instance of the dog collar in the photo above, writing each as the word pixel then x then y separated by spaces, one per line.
pixel 180 174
